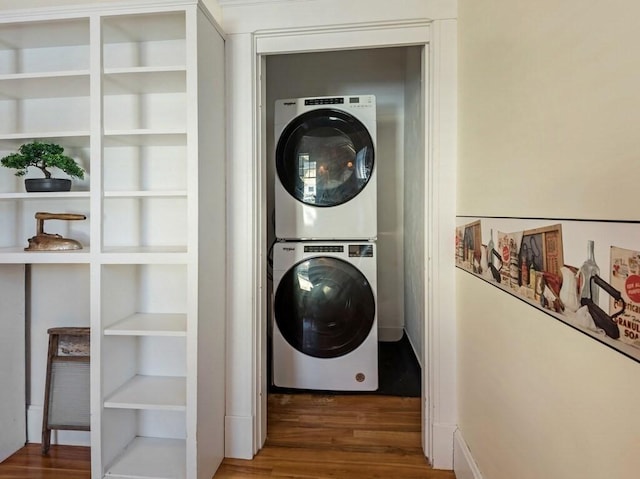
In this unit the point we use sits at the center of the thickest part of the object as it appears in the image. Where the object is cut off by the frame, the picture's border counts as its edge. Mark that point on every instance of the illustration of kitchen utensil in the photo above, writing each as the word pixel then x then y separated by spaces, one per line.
pixel 495 271
pixel 602 319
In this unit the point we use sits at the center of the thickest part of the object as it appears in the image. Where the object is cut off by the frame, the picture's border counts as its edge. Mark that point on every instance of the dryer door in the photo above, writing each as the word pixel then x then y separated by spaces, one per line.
pixel 324 157
pixel 324 307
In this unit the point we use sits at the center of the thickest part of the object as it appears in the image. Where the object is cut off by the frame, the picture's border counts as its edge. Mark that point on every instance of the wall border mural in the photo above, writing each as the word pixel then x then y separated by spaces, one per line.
pixel 584 273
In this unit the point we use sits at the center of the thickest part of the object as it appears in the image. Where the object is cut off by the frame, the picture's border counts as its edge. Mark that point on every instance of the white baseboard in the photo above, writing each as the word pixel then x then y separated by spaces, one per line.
pixel 442 449
pixel 68 438
pixel 390 335
pixel 238 437
pixel 463 464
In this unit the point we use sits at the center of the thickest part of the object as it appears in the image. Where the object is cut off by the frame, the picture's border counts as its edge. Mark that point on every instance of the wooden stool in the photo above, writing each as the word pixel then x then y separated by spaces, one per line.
pixel 66 393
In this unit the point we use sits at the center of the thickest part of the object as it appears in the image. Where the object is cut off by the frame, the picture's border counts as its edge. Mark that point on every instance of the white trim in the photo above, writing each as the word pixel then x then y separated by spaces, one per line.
pixel 441 453
pixel 209 16
pixel 464 465
pixel 338 37
pixel 440 334
pixel 246 356
pixel 253 17
pixel 438 442
pixel 259 238
pixel 343 37
pixel 386 334
pixel 238 3
pixel 242 256
pixel 86 10
pixel 238 444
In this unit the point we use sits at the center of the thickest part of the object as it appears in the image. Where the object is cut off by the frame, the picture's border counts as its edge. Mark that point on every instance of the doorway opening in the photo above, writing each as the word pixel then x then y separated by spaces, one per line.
pixel 396 77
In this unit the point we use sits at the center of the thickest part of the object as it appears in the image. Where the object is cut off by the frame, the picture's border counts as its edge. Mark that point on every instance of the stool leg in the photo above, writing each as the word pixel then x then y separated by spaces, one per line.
pixel 46 431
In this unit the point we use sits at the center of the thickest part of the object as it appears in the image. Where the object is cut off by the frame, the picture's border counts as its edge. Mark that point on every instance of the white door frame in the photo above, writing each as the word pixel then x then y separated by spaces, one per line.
pixel 439 39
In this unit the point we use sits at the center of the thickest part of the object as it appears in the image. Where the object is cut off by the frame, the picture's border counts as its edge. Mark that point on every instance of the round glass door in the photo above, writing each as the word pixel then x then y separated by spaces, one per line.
pixel 324 157
pixel 324 307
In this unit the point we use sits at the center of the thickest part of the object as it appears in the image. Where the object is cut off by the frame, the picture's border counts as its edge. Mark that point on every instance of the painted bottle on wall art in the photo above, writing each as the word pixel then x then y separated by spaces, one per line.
pixel 589 269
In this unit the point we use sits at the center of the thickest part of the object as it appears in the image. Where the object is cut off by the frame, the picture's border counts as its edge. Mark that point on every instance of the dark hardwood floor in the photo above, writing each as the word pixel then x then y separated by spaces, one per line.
pixel 309 436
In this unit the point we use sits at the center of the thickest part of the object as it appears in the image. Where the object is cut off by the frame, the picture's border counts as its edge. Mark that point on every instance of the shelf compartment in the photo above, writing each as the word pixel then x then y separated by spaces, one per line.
pixel 60 85
pixel 145 80
pixel 33 117
pixel 144 40
pixel 150 324
pixel 146 137
pixel 145 221
pixel 147 457
pixel 150 392
pixel 44 46
pixel 143 297
pixel 146 168
pixel 10 184
pixel 72 138
pixel 20 223
pixel 160 111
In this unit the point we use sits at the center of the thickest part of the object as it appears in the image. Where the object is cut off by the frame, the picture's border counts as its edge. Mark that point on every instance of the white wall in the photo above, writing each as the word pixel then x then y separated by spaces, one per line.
pixel 12 353
pixel 537 398
pixel 414 205
pixel 549 109
pixel 548 115
pixel 51 308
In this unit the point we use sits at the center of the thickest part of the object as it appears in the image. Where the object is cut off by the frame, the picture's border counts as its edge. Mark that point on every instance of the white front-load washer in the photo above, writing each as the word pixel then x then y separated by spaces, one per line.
pixel 325 186
pixel 325 328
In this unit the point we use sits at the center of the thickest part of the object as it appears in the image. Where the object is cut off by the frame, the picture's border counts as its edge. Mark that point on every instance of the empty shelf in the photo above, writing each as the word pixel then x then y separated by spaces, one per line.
pixel 147 457
pixel 166 393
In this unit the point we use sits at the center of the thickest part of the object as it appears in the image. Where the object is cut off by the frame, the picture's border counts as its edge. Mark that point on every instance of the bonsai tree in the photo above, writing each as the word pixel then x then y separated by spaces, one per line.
pixel 42 156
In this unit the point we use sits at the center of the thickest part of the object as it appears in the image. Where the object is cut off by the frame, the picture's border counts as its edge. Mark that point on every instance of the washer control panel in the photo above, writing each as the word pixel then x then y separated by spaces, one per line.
pixel 324 101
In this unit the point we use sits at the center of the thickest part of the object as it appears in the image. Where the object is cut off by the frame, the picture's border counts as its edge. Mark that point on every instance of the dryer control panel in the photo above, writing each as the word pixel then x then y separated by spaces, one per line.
pixel 324 249
pixel 360 251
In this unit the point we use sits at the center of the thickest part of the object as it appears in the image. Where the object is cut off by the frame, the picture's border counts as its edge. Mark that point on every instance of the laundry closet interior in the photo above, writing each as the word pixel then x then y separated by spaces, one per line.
pixel 396 77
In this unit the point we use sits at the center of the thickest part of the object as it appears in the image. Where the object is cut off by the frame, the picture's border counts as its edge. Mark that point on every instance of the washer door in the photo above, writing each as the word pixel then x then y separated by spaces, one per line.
pixel 324 157
pixel 324 307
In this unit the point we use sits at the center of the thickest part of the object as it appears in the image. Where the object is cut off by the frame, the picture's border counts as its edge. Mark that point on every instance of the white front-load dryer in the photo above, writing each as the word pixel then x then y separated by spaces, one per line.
pixel 325 186
pixel 325 328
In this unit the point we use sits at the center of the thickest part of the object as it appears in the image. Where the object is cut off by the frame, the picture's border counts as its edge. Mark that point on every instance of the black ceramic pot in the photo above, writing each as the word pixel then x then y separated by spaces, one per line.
pixel 39 185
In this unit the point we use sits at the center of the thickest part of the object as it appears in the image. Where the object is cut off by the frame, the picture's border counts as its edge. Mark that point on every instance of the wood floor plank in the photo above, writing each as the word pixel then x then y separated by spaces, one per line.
pixel 62 462
pixel 339 437
pixel 309 437
pixel 298 463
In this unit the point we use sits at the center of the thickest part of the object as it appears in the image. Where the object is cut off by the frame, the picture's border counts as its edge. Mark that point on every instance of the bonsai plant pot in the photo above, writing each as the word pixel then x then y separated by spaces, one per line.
pixel 48 185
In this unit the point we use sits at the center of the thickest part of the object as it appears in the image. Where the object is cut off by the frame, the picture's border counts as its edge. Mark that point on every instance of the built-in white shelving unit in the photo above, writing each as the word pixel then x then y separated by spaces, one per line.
pixel 126 89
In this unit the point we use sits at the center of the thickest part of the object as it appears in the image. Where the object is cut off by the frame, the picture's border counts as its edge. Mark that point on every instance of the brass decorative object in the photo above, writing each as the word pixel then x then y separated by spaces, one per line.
pixel 53 242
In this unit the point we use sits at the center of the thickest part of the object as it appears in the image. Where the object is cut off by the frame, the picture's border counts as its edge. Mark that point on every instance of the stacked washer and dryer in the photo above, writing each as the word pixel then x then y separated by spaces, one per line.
pixel 325 328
